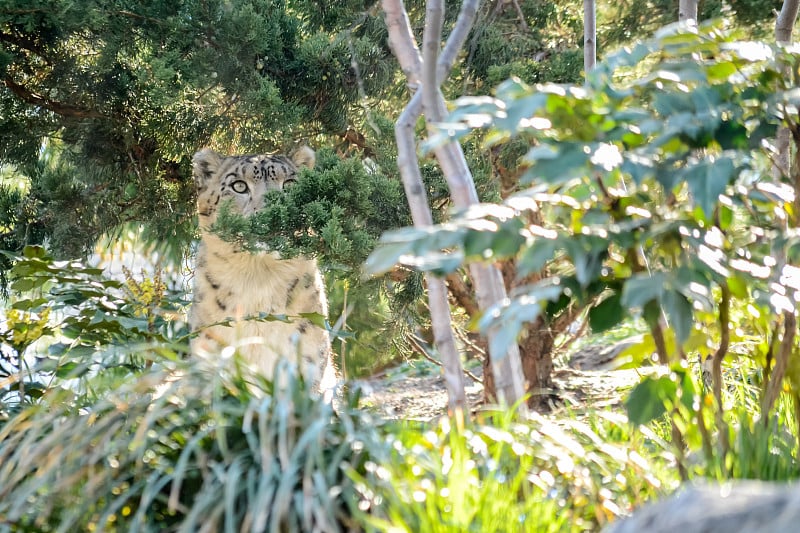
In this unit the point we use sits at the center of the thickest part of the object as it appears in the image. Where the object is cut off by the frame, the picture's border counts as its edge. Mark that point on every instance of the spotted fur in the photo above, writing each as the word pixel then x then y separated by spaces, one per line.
pixel 232 285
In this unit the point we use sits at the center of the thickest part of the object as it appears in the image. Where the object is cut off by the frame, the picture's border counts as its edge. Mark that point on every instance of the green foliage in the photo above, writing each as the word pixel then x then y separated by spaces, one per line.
pixel 760 448
pixel 68 321
pixel 547 50
pixel 654 396
pixel 502 474
pixel 132 89
pixel 753 11
pixel 375 323
pixel 630 182
pixel 564 67
pixel 649 196
pixel 336 211
pixel 185 449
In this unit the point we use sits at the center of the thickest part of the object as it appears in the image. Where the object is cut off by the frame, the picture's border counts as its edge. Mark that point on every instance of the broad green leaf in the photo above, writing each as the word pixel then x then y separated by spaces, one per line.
pixel 639 168
pixel 508 240
pixel 521 109
pixel 679 312
pixel 384 258
pixel 536 256
pixel 317 319
pixel 707 179
pixel 607 313
pixel 732 135
pixel 69 370
pixel 648 400
pixel 29 304
pixel 27 284
pixel 31 252
pixel 556 166
pixel 512 89
pixel 643 288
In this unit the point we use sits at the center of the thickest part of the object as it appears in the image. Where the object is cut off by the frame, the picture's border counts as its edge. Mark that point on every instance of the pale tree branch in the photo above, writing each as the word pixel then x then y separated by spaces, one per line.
pixel 687 11
pixel 784 23
pixel 443 337
pixel 402 41
pixel 488 280
pixel 589 35
pixel 506 366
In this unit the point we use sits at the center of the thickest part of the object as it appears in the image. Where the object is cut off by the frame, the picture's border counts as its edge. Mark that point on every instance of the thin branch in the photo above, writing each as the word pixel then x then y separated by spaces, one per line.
pixel 521 16
pixel 444 340
pixel 488 280
pixel 59 108
pixel 402 41
pixel 457 38
pixel 781 363
pixel 462 294
pixel 716 366
pixel 24 43
pixel 418 345
pixel 657 330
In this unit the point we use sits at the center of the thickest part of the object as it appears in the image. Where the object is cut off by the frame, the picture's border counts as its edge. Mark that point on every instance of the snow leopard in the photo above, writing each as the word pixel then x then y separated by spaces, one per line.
pixel 233 285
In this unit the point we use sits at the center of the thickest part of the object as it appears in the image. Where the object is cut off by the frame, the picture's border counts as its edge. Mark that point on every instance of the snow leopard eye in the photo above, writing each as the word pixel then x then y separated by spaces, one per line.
pixel 239 186
pixel 291 182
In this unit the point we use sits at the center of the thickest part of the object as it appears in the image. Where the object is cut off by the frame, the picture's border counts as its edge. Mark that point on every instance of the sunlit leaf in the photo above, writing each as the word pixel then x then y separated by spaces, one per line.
pixel 679 312
pixel 707 179
pixel 646 401
pixel 643 288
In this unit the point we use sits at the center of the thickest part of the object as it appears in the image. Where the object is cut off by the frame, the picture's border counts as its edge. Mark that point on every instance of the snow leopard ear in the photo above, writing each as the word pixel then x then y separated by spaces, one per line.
pixel 204 165
pixel 304 157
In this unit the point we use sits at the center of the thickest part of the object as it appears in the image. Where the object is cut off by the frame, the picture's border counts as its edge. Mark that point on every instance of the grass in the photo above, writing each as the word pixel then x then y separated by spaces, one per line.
pixel 199 448
pixel 196 447
pixel 193 449
pixel 507 473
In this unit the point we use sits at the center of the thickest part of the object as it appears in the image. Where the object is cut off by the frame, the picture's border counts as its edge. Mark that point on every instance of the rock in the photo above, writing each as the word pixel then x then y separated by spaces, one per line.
pixel 733 507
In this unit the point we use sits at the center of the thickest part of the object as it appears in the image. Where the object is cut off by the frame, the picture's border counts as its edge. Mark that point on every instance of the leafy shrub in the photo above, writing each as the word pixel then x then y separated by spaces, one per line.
pixel 67 320
pixel 655 194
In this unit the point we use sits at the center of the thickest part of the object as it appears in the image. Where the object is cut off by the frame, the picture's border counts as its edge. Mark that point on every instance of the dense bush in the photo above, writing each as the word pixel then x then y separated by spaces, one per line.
pixel 651 192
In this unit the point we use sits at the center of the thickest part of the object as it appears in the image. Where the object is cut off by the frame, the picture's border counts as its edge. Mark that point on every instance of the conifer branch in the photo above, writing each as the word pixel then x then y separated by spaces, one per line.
pixel 59 108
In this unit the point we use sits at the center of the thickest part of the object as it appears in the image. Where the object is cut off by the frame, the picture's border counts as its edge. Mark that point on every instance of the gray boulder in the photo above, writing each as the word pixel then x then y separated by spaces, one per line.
pixel 734 507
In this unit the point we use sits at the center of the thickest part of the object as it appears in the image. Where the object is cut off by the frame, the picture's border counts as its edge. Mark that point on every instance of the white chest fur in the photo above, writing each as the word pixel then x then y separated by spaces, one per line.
pixel 235 287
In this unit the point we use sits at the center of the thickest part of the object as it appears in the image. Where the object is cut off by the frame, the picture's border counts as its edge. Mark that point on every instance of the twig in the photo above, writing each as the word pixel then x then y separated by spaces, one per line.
pixel 417 344
pixel 716 366
pixel 521 16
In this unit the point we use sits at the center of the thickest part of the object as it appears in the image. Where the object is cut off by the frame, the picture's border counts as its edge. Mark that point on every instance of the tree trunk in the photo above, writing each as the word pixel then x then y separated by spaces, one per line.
pixel 783 35
pixel 443 337
pixel 687 11
pixel 430 73
pixel 785 21
pixel 589 35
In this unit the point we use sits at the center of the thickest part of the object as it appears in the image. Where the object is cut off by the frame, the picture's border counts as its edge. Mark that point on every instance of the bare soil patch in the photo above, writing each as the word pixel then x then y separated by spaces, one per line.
pixel 418 392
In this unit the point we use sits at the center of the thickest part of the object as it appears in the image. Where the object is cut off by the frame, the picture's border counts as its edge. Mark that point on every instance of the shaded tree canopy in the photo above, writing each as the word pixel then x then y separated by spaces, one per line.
pixel 103 103
pixel 127 90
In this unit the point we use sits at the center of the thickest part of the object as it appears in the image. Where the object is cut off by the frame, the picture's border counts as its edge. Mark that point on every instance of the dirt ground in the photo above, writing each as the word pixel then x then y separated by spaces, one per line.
pixel 417 392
